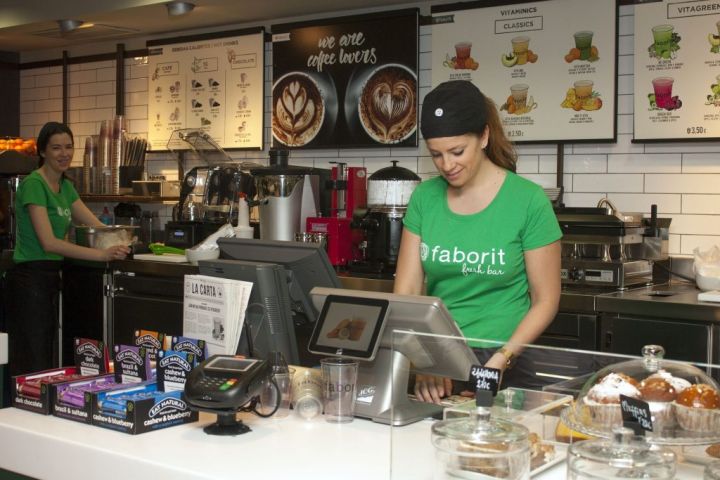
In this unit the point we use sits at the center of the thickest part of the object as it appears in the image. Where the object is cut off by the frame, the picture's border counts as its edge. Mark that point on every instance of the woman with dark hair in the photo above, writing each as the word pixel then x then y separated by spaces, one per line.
pixel 485 239
pixel 45 205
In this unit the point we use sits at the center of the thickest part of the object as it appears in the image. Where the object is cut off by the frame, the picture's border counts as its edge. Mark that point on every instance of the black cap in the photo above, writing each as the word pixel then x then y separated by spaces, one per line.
pixel 453 108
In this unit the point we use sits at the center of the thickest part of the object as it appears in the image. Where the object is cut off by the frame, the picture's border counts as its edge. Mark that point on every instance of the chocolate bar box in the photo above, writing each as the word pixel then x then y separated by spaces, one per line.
pixel 140 408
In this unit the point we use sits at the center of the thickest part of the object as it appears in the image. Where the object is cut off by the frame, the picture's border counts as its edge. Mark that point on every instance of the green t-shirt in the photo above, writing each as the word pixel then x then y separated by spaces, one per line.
pixel 475 263
pixel 33 190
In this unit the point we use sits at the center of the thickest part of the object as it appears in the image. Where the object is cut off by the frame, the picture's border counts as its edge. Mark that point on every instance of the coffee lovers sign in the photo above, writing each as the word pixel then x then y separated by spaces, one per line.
pixel 347 82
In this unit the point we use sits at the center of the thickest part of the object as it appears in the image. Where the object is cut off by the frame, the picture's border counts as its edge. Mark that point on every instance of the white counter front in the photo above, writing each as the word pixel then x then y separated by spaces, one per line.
pixel 53 448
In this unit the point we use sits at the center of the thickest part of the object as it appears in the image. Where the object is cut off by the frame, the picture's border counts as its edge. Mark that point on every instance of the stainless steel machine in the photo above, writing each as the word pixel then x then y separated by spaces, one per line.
pixel 604 252
pixel 288 195
pixel 603 247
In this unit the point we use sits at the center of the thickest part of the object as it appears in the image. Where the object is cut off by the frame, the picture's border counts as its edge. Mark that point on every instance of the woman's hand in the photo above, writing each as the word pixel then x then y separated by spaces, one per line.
pixel 429 388
pixel 116 252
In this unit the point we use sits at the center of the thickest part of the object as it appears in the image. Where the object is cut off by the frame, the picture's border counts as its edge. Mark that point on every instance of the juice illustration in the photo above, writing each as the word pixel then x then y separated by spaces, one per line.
pixel 583 88
pixel 583 42
pixel 519 94
pixel 462 51
pixel 662 38
pixel 662 87
pixel 520 49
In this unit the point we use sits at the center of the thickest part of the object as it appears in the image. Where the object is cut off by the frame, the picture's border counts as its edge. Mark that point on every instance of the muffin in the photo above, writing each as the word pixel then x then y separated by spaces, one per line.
pixel 659 393
pixel 697 408
pixel 679 384
pixel 603 399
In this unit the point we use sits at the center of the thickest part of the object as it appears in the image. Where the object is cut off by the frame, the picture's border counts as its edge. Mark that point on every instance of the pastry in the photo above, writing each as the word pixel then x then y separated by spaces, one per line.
pixel 348 329
pixel 488 459
pixel 659 393
pixel 713 450
pixel 540 453
pixel 679 384
pixel 603 399
pixel 657 389
pixel 565 434
pixel 697 408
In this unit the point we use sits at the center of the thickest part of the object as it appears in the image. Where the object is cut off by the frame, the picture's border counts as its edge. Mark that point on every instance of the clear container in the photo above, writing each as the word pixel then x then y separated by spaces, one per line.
pixel 661 384
pixel 712 471
pixel 481 447
pixel 624 456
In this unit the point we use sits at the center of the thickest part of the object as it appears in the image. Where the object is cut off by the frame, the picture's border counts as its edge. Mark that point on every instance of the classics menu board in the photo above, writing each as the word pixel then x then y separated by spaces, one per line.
pixel 346 82
pixel 677 70
pixel 214 83
pixel 548 65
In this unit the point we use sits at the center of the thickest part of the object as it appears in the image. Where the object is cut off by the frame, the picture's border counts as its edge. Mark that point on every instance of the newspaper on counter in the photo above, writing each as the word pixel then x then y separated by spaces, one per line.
pixel 214 311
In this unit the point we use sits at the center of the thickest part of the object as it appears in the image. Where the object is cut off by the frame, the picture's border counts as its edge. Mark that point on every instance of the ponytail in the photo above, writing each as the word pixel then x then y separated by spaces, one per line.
pixel 499 149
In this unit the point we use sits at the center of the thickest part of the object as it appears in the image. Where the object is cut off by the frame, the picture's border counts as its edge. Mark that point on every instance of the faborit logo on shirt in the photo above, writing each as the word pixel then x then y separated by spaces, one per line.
pixel 487 262
pixel 63 212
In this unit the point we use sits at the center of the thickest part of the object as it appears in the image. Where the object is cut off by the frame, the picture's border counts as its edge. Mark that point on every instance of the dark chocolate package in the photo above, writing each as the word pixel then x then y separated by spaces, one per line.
pixel 91 356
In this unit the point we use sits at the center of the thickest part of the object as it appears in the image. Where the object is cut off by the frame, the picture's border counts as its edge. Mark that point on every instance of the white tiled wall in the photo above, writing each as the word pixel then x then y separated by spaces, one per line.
pixel 683 179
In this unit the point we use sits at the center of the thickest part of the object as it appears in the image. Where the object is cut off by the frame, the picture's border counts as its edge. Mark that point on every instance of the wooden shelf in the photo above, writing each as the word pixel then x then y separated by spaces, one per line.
pixel 127 198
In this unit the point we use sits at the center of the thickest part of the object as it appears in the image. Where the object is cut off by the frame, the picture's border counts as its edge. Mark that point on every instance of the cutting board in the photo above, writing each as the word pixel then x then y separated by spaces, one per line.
pixel 167 257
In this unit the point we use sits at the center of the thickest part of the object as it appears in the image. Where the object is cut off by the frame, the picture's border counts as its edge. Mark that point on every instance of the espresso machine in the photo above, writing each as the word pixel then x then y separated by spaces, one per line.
pixel 348 195
pixel 388 195
pixel 287 195
pixel 208 193
pixel 611 250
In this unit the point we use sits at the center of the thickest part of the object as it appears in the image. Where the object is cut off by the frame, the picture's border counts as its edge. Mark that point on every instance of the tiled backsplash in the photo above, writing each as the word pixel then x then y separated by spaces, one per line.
pixel 683 179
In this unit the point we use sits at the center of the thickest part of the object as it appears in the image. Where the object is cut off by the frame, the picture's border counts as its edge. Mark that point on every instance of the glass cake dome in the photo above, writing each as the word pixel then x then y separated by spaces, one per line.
pixel 684 401
pixel 625 455
pixel 481 446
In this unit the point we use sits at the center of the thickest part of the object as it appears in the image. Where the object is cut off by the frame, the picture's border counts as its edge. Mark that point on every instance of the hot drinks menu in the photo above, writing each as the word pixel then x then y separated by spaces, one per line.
pixel 549 65
pixel 677 60
pixel 346 82
pixel 213 84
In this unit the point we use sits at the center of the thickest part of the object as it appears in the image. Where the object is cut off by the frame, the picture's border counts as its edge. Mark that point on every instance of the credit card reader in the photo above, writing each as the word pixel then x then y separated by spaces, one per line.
pixel 225 385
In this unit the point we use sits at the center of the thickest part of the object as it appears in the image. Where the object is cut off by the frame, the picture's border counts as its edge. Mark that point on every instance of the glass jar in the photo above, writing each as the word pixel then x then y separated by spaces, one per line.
pixel 482 446
pixel 624 456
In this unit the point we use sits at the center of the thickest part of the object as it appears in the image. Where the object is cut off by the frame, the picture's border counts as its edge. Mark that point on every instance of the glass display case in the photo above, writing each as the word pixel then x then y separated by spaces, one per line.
pixel 556 414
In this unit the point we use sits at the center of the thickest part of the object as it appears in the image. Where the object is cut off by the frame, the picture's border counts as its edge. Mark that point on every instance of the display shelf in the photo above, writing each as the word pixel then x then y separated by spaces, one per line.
pixel 127 198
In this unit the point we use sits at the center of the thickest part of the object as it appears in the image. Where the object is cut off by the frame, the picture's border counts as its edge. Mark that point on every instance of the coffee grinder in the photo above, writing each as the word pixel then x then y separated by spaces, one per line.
pixel 348 195
pixel 388 195
pixel 208 193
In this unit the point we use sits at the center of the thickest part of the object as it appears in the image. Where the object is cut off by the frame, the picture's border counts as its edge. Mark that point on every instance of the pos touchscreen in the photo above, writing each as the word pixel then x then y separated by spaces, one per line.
pixel 349 327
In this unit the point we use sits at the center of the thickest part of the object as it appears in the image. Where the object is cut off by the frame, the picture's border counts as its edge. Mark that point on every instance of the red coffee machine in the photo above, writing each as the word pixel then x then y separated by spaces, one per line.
pixel 348 187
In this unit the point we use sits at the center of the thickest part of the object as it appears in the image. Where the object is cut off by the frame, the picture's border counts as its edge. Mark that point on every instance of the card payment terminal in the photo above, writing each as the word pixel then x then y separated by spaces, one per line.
pixel 224 385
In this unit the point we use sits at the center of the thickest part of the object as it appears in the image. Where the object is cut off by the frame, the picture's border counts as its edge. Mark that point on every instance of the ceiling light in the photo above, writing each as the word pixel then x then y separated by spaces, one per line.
pixel 69 25
pixel 176 9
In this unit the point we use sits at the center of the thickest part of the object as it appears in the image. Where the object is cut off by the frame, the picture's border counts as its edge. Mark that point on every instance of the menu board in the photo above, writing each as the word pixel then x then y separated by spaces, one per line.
pixel 213 83
pixel 347 82
pixel 677 74
pixel 548 65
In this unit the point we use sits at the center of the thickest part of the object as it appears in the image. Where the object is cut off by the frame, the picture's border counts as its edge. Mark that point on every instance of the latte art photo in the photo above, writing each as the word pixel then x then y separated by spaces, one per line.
pixel 298 109
pixel 388 104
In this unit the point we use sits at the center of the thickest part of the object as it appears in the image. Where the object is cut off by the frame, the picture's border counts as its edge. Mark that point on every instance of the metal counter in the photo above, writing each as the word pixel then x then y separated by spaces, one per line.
pixel 673 301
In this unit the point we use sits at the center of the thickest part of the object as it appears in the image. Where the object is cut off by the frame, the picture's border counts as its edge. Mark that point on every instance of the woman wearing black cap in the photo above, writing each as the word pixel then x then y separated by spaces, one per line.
pixel 485 238
pixel 45 204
